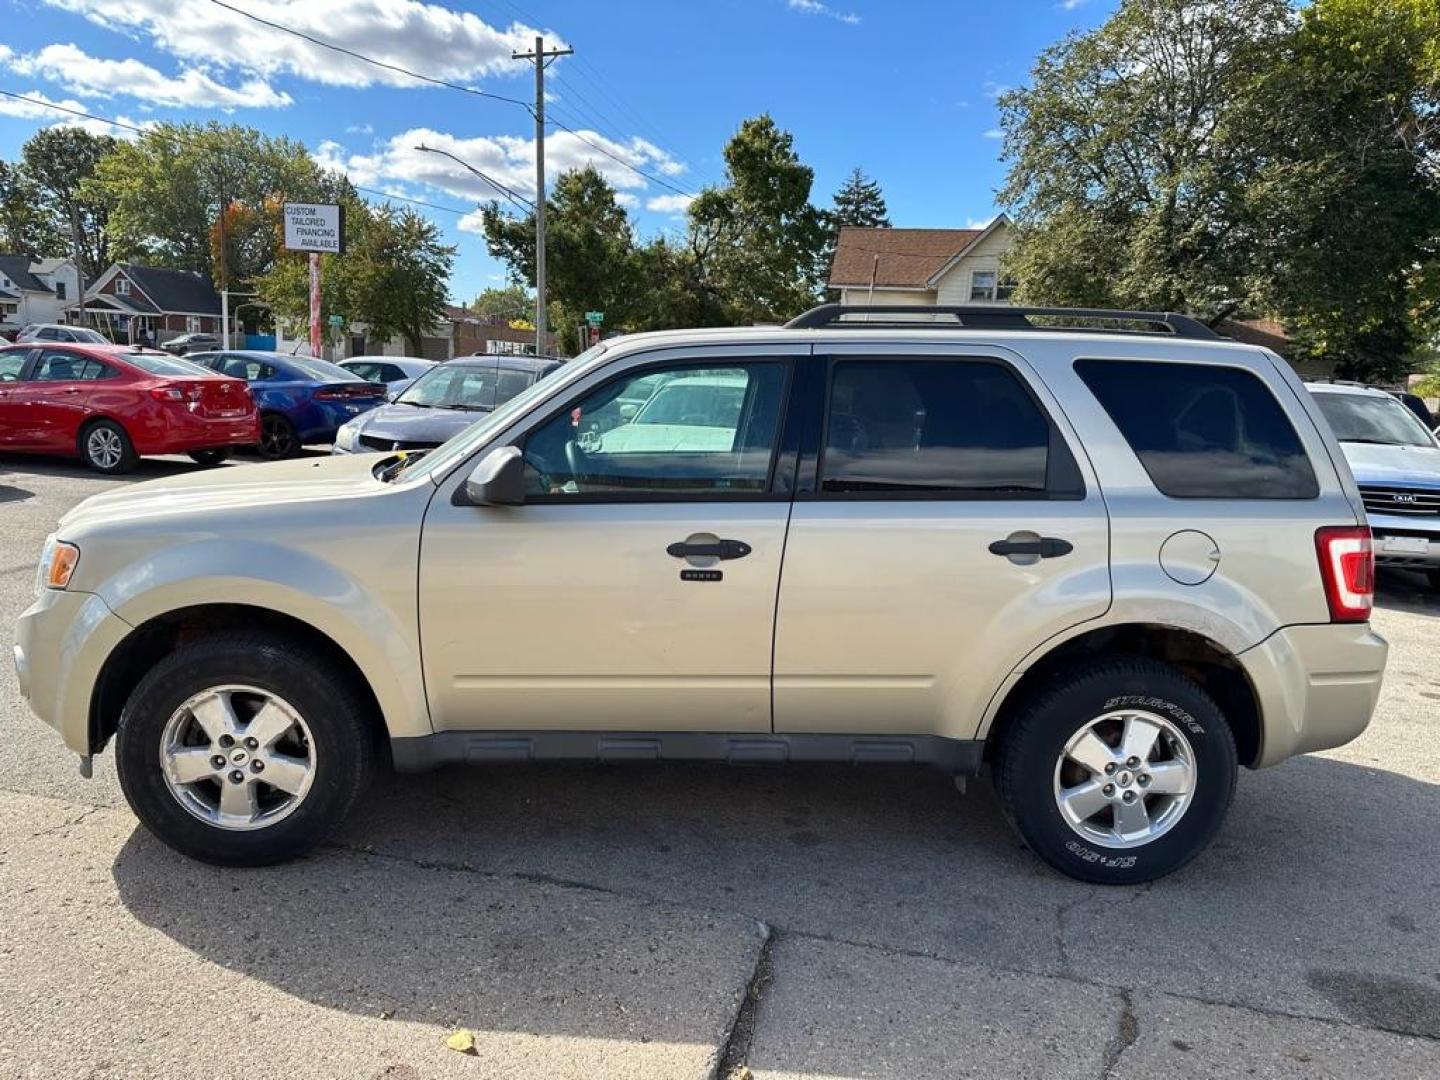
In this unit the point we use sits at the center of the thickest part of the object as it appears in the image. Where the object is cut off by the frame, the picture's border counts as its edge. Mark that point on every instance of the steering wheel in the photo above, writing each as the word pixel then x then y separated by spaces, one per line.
pixel 575 459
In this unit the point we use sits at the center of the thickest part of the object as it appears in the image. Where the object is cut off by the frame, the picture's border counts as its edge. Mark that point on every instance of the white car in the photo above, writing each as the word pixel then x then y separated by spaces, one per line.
pixel 695 413
pixel 396 372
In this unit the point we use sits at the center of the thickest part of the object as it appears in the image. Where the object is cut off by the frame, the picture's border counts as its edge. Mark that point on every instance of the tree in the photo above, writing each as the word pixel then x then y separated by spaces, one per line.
pixel 168 189
pixel 27 227
pixel 758 242
pixel 859 202
pixel 1125 180
pixel 589 251
pixel 510 303
pixel 1348 196
pixel 393 276
pixel 61 160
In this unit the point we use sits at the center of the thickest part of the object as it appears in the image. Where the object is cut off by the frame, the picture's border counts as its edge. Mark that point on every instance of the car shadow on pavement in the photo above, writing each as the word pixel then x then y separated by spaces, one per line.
pixel 1315 899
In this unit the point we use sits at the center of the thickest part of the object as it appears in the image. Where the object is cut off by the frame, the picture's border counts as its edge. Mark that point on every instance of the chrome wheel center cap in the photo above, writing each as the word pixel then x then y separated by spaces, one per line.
pixel 238 757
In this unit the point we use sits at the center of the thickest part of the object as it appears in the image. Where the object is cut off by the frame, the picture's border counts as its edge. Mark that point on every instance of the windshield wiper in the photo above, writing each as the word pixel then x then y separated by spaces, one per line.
pixel 414 404
pixel 1379 442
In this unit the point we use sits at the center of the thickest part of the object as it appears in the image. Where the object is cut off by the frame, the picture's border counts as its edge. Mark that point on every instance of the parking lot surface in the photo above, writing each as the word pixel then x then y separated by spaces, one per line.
pixel 688 921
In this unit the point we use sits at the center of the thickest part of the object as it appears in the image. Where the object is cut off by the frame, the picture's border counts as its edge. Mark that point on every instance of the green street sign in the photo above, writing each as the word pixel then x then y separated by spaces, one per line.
pixel 337 321
pixel 594 318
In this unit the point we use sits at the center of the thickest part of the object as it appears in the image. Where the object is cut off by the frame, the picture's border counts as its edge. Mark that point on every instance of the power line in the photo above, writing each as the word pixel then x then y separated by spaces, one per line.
pixel 621 161
pixel 370 59
pixel 181 140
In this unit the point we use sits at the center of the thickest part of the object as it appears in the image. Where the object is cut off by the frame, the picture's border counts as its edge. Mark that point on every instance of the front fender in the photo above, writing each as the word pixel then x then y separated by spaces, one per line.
pixel 377 635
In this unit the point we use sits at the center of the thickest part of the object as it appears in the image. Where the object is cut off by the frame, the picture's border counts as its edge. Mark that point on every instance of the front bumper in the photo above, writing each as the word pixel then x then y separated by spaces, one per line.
pixel 1317 686
pixel 1401 540
pixel 62 642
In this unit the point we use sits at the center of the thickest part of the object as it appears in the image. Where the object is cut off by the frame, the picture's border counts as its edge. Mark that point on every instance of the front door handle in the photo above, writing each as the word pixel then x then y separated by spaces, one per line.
pixel 719 549
pixel 1047 547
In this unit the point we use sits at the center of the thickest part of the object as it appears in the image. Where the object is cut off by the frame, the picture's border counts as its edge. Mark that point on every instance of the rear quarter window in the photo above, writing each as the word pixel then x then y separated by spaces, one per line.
pixel 1203 431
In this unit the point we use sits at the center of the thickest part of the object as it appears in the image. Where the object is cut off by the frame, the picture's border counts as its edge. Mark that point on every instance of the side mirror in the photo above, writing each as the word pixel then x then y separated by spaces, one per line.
pixel 391 395
pixel 498 480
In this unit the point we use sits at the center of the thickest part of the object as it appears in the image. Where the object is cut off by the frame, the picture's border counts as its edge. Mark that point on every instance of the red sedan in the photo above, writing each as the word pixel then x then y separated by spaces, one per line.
pixel 109 404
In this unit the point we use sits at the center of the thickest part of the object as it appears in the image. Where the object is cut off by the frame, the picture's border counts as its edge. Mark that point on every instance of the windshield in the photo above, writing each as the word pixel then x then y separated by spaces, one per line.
pixel 160 364
pixel 445 455
pixel 91 336
pixel 465 386
pixel 1364 418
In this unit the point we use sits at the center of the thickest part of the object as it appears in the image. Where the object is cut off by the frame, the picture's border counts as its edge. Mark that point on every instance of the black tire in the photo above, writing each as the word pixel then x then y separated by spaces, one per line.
pixel 344 744
pixel 210 458
pixel 1033 742
pixel 106 447
pixel 277 438
pixel 1433 577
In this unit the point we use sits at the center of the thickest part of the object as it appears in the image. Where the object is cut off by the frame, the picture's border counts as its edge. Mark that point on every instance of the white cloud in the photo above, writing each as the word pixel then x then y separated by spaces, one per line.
pixel 994 133
pixel 360 129
pixel 453 45
pixel 472 223
pixel 627 200
pixel 980 223
pixel 34 106
pixel 80 73
pixel 994 89
pixel 1071 5
pixel 508 159
pixel 670 204
pixel 815 7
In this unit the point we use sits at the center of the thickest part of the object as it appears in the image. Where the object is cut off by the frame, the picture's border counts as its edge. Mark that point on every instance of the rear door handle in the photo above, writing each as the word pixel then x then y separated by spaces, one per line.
pixel 1047 547
pixel 720 549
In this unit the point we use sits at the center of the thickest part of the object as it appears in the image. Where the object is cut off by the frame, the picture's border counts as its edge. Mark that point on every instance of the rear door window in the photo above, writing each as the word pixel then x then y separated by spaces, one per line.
pixel 1203 431
pixel 940 428
pixel 61 365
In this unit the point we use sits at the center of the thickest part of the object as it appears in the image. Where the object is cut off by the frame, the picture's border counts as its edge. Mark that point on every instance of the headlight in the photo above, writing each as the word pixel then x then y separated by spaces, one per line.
pixel 57 563
pixel 345 437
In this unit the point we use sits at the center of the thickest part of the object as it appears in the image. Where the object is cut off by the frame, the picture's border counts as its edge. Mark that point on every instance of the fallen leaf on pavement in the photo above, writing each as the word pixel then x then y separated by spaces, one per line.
pixel 462 1041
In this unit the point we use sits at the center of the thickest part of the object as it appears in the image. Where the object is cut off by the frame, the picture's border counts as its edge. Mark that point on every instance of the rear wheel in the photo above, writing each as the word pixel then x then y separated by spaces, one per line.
pixel 277 438
pixel 1433 577
pixel 106 448
pixel 1119 772
pixel 209 457
pixel 243 749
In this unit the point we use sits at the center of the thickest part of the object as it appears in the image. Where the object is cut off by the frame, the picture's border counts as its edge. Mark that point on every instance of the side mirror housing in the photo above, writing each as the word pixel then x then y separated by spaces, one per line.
pixel 498 480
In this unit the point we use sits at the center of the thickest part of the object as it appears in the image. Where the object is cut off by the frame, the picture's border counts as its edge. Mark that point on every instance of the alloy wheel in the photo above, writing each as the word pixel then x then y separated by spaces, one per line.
pixel 1125 778
pixel 277 440
pixel 104 448
pixel 237 757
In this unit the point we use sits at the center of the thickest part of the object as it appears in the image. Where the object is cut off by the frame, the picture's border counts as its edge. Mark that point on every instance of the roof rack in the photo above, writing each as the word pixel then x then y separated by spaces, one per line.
pixel 996 317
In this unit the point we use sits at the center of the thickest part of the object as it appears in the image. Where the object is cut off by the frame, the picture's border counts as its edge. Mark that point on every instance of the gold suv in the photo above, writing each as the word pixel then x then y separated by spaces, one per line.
pixel 1106 554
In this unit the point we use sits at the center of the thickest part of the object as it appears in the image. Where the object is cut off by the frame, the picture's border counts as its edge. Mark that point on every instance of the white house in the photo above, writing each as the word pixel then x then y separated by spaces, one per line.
pixel 35 290
pixel 922 266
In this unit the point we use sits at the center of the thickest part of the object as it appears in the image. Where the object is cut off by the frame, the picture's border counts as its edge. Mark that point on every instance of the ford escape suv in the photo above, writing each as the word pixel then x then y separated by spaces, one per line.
pixel 1104 553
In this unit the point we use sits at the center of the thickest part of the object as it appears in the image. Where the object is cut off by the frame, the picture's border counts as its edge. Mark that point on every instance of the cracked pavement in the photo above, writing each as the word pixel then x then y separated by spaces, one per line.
pixel 701 921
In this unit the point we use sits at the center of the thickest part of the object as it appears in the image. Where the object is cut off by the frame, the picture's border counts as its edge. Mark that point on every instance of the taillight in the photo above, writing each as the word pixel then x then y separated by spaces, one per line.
pixel 176 393
pixel 1347 567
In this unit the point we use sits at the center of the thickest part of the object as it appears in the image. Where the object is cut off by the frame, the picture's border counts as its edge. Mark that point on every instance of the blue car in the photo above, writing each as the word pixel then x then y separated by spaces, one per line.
pixel 301 401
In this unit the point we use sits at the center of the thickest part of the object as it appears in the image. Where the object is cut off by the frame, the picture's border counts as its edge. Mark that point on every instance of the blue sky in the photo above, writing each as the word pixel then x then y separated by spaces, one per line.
pixel 903 90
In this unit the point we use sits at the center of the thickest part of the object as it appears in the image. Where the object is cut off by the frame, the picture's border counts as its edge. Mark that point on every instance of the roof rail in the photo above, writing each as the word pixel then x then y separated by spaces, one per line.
pixel 995 317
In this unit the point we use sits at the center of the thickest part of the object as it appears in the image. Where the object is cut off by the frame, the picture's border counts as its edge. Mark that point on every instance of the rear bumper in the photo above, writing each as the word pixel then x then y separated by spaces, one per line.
pixel 1317 686
pixel 319 422
pixel 62 641
pixel 197 433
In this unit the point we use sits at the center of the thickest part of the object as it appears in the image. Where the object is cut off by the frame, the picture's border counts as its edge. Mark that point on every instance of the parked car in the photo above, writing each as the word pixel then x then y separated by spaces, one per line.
pixel 60 332
pixel 396 372
pixel 1113 566
pixel 185 344
pixel 442 403
pixel 111 404
pixel 301 401
pixel 1396 462
pixel 1416 404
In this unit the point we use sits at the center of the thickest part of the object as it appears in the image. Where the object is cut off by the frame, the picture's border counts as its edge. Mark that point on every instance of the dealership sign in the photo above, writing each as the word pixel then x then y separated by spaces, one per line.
pixel 315 227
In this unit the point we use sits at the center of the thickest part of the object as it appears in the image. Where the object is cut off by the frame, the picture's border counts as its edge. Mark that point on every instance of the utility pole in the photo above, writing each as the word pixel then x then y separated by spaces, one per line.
pixel 540 57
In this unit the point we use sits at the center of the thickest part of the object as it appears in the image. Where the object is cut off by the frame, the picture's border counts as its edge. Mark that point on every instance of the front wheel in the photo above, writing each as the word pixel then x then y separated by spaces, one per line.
pixel 106 448
pixel 243 749
pixel 1118 773
pixel 277 438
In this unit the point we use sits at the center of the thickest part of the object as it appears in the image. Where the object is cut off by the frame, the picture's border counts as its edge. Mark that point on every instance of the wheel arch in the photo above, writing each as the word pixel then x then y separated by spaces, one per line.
pixel 1215 668
pixel 158 636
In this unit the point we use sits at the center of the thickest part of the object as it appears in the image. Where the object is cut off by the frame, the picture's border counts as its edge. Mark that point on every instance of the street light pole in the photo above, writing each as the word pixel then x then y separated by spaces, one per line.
pixel 540 56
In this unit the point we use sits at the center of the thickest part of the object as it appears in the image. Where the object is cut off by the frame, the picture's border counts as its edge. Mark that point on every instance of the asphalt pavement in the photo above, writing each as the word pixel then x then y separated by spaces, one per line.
pixel 697 921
